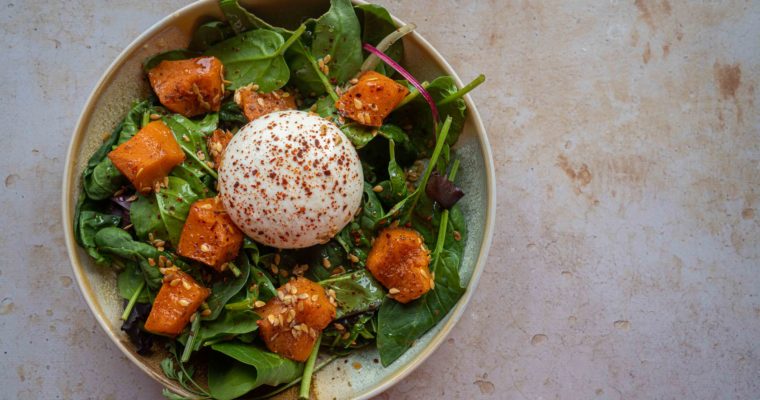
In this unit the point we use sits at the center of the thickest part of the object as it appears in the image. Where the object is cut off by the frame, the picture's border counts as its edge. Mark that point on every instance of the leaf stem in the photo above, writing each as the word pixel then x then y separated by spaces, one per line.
pixel 296 34
pixel 413 94
pixel 463 91
pixel 132 301
pixel 431 164
pixel 454 169
pixel 388 41
pixel 308 371
pixel 194 328
pixel 235 270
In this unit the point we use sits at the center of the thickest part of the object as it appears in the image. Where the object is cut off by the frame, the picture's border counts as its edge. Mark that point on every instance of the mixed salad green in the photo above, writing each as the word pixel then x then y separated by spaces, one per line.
pixel 409 170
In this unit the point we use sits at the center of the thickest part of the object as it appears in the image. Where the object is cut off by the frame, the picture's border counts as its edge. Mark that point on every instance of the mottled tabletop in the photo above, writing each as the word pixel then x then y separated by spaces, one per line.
pixel 626 256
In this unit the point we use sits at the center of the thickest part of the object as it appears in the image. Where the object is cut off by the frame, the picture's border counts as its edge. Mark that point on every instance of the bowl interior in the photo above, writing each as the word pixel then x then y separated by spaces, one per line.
pixel 125 82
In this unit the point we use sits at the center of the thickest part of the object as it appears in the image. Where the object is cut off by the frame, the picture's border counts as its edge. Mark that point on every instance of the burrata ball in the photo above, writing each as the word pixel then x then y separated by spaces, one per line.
pixel 291 179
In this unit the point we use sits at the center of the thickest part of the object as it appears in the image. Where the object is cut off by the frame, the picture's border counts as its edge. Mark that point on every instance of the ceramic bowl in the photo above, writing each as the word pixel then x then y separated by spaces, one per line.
pixel 124 82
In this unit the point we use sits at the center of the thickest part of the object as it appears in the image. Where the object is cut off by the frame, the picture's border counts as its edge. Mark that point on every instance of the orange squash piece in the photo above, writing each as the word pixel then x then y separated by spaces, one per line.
pixel 189 87
pixel 217 143
pixel 255 104
pixel 177 300
pixel 148 157
pixel 209 235
pixel 291 322
pixel 371 99
pixel 400 261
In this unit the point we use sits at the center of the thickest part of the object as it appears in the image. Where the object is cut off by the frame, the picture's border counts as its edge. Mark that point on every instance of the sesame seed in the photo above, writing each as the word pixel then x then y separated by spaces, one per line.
pixel 277 259
pixel 223 267
pixel 185 138
pixel 271 319
pixel 377 189
pixel 326 263
pixel 353 258
pixel 432 284
pixel 303 296
pixel 200 155
pixel 358 104
pixel 175 282
pixel 353 81
pixel 286 94
pixel 327 58
pixel 394 291
pixel 346 336
pixel 279 319
pixel 339 326
pixel 151 262
pixel 293 290
pixel 205 248
pixel 192 317
pixel 280 295
pixel 254 87
pixel 186 285
pixel 259 304
pixel 261 102
pixel 183 302
pixel 314 298
pixel 300 306
pixel 457 236
pixel 206 312
pixel 132 198
pixel 312 333
pixel 274 269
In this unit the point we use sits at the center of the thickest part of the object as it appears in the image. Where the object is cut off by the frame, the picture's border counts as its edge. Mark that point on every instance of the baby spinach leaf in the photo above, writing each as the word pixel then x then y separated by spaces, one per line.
pixel 89 223
pixel 338 34
pixel 171 55
pixel 241 20
pixel 376 24
pixel 265 287
pixel 325 107
pixel 396 175
pixel 129 281
pixel 103 181
pixel 174 204
pixel 118 242
pixel 136 118
pixel 253 57
pixel 358 134
pixel 251 368
pixel 355 292
pixel 372 210
pixel 146 218
pixel 229 324
pixel 222 291
pixel 191 137
pixel 232 114
pixel 399 325
pixel 210 34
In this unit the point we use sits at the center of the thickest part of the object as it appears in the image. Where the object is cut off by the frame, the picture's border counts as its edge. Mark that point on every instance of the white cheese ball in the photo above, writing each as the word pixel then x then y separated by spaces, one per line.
pixel 291 179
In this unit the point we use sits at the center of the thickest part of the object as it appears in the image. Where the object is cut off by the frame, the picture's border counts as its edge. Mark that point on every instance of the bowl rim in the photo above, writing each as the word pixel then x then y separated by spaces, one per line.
pixel 69 193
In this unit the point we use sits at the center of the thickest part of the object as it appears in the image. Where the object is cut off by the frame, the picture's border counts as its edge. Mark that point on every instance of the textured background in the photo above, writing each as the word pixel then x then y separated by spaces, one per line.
pixel 626 261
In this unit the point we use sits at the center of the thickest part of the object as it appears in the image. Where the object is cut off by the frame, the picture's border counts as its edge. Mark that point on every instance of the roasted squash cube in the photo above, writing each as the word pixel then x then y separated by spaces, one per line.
pixel 189 87
pixel 217 143
pixel 177 300
pixel 209 235
pixel 148 157
pixel 400 261
pixel 255 104
pixel 371 99
pixel 291 322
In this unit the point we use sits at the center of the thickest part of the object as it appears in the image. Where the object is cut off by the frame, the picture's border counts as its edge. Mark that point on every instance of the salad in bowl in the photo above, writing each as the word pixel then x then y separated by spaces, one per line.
pixel 281 199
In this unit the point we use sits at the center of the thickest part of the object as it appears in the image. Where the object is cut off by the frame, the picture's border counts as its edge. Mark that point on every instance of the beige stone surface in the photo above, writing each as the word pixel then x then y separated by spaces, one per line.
pixel 626 260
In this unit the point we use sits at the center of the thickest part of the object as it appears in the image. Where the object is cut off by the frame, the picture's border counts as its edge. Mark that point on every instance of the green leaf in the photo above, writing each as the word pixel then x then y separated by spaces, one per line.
pixel 241 20
pixel 396 175
pixel 359 134
pixel 89 223
pixel 222 292
pixel 232 114
pixel 229 324
pixel 399 325
pixel 171 55
pixel 253 57
pixel 118 242
pixel 325 107
pixel 129 281
pixel 355 292
pixel 191 137
pixel 376 24
pixel 210 34
pixel 146 218
pixel 338 33
pixel 174 203
pixel 249 368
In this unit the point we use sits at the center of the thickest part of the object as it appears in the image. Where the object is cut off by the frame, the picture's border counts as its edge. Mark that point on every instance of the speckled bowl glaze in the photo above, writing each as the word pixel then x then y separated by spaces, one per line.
pixel 124 82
